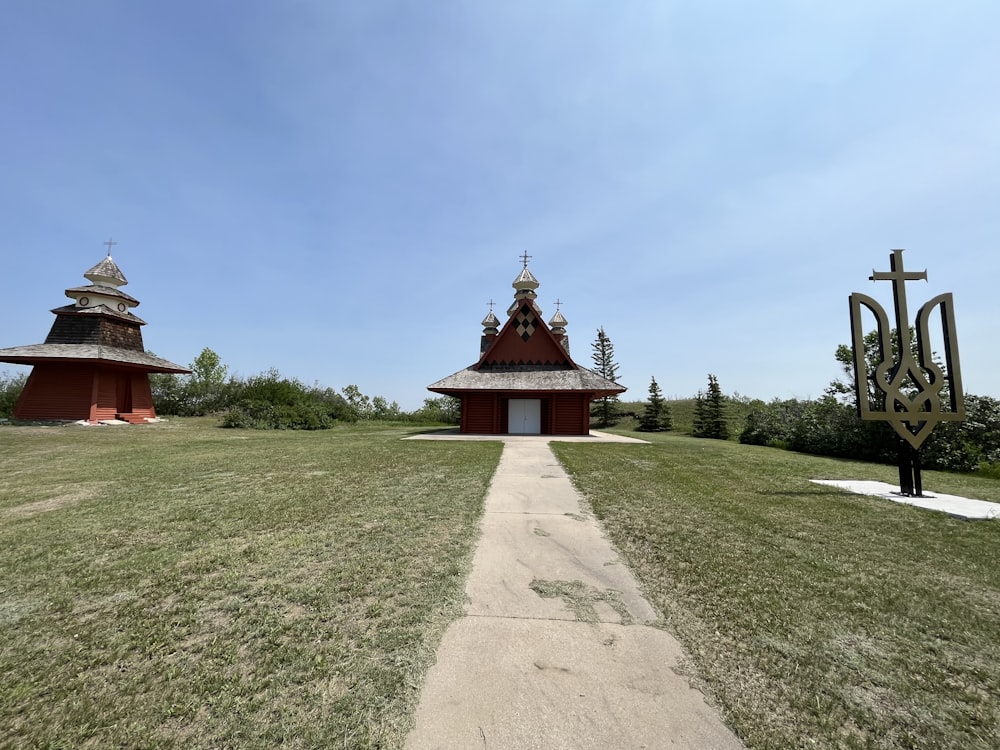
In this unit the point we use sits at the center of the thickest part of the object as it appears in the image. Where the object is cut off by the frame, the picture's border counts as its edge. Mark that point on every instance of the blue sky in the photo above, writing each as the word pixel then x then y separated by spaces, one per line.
pixel 336 190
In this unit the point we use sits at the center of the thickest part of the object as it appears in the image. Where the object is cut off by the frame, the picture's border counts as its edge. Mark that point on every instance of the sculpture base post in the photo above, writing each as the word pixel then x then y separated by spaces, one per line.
pixel 910 483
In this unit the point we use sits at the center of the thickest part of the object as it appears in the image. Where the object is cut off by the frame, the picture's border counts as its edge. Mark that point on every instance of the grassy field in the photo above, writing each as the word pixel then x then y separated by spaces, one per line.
pixel 815 618
pixel 181 585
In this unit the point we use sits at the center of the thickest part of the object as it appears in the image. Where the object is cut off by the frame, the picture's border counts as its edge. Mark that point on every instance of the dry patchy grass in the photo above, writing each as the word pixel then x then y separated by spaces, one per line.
pixel 181 585
pixel 816 618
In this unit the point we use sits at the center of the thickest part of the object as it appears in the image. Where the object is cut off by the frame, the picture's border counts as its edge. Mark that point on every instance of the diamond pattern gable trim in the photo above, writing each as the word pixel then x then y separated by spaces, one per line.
pixel 526 322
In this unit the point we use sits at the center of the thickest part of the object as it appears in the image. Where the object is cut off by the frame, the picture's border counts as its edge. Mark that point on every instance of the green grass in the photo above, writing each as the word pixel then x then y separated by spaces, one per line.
pixel 815 618
pixel 181 585
pixel 682 415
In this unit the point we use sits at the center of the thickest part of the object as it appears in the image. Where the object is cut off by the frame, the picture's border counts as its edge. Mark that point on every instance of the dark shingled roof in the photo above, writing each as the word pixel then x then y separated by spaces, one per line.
pixel 527 378
pixel 98 310
pixel 38 353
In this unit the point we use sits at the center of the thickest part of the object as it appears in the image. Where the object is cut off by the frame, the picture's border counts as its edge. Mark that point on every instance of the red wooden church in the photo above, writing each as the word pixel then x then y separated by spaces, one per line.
pixel 525 381
pixel 93 365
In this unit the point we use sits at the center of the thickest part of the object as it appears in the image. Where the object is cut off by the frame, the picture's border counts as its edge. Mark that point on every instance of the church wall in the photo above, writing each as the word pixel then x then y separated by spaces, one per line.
pixel 512 350
pixel 538 348
pixel 56 392
pixel 479 413
pixel 561 414
pixel 571 414
pixel 105 404
pixel 142 396
pixel 74 392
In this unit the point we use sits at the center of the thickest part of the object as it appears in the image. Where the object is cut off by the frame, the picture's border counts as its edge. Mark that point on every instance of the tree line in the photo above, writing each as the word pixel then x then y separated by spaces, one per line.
pixel 271 401
pixel 827 426
pixel 268 400
pixel 830 425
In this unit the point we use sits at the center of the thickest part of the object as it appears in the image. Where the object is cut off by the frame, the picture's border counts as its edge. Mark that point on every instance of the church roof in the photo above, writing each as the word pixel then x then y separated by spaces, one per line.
pixel 107 271
pixel 98 310
pixel 107 291
pixel 38 353
pixel 525 280
pixel 526 378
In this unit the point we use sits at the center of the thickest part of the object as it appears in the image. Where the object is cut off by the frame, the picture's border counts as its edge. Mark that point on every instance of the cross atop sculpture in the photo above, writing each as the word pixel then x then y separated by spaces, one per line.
pixel 899 277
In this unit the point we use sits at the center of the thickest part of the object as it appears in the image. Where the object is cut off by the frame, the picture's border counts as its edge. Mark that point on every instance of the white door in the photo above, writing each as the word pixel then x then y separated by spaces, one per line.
pixel 524 416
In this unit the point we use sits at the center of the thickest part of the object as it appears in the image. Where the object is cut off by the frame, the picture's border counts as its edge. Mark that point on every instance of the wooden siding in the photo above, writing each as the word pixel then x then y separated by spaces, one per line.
pixel 105 404
pixel 73 392
pixel 540 347
pixel 479 413
pixel 561 413
pixel 571 414
pixel 56 392
pixel 142 396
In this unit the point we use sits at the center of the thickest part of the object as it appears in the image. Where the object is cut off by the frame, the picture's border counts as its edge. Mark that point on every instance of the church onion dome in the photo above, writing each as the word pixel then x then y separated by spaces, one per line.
pixel 491 323
pixel 106 273
pixel 525 285
pixel 558 323
pixel 525 281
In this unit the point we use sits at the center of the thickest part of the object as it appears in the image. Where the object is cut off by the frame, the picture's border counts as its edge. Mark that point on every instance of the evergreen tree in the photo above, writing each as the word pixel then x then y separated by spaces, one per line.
pixel 698 422
pixel 710 412
pixel 606 409
pixel 656 417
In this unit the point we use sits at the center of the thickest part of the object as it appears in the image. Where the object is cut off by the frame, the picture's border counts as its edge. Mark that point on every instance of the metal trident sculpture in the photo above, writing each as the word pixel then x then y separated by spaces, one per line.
pixel 911 387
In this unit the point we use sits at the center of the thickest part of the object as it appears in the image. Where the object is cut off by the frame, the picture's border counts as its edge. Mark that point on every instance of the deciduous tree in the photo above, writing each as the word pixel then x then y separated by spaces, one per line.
pixel 205 390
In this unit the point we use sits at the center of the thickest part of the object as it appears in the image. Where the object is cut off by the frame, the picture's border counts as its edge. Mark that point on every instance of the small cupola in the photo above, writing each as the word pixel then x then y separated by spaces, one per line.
pixel 558 325
pixel 491 324
pixel 524 285
pixel 104 278
pixel 106 273
pixel 491 327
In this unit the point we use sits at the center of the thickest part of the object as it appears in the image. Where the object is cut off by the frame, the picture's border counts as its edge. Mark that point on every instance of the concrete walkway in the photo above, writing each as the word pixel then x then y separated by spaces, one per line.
pixel 555 649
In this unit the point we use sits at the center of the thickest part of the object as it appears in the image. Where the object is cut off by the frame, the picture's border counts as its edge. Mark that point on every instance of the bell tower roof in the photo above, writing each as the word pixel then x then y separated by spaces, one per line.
pixel 106 273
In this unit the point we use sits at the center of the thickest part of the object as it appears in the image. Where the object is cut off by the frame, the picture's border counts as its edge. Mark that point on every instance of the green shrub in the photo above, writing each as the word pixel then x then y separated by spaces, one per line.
pixel 10 389
pixel 987 469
